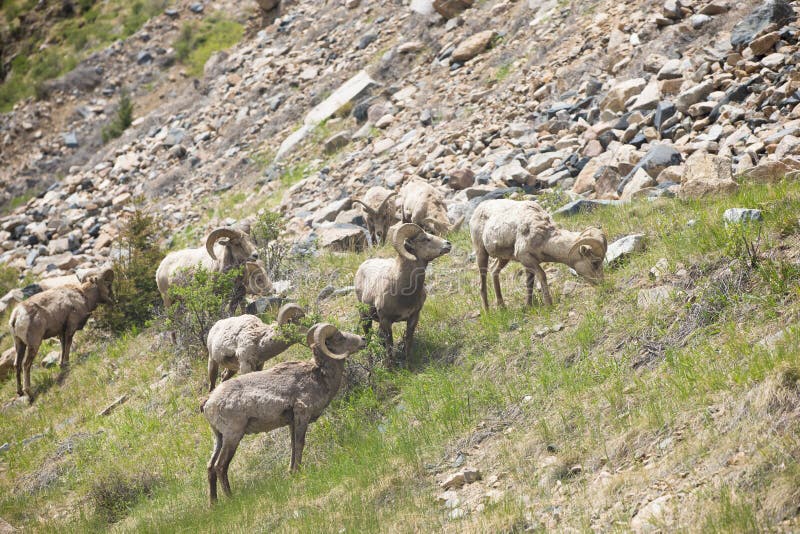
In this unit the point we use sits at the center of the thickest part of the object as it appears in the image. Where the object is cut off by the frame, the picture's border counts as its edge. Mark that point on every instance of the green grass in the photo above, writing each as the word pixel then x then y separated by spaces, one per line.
pixel 69 41
pixel 197 41
pixel 681 400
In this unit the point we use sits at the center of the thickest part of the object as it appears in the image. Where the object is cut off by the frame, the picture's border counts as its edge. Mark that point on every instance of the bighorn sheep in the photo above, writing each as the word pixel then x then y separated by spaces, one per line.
pixel 225 249
pixel 55 312
pixel 379 212
pixel 292 394
pixel 423 205
pixel 523 231
pixel 244 343
pixel 394 289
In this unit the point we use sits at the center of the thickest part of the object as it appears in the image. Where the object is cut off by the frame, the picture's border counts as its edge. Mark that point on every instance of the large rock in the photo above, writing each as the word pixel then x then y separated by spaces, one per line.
pixel 705 174
pixel 583 205
pixel 741 215
pixel 7 362
pixel 777 12
pixel 451 8
pixel 329 212
pixel 639 181
pixel 342 237
pixel 658 158
pixel 624 246
pixel 512 173
pixel 348 91
pixel 621 92
pixel 693 95
pixel 473 45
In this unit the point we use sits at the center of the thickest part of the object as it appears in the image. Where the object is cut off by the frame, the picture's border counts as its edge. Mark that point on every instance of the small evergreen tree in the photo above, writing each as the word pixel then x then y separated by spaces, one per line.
pixel 135 289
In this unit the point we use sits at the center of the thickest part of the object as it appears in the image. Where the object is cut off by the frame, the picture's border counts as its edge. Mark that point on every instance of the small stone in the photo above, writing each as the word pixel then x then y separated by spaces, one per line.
pixel 764 44
pixel 456 480
pixel 654 297
pixel 472 46
pixel 196 8
pixel 108 409
pixel 71 140
pixel 337 141
pixel 51 359
pixel 741 215
pixel 699 20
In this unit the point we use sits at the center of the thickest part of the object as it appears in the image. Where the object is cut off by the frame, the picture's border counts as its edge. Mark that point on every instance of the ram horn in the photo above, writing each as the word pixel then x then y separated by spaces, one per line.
pixel 402 233
pixel 368 209
pixel 321 334
pixel 257 281
pixel 596 242
pixel 289 313
pixel 385 200
pixel 218 234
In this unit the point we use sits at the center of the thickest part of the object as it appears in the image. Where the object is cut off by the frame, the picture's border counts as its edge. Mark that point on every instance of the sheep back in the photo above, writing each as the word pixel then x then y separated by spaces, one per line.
pixel 505 228
pixel 50 313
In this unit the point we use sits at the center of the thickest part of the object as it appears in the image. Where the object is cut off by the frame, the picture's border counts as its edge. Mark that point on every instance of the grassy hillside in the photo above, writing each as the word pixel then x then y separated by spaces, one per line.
pixel 578 416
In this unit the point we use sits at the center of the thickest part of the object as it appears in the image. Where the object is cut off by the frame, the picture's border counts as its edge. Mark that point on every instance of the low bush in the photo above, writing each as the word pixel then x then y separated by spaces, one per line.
pixel 135 289
pixel 121 120
pixel 200 299
pixel 115 493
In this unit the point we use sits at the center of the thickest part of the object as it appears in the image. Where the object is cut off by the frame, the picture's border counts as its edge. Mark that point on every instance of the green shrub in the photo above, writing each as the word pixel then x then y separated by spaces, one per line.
pixel 122 120
pixel 275 254
pixel 135 289
pixel 200 298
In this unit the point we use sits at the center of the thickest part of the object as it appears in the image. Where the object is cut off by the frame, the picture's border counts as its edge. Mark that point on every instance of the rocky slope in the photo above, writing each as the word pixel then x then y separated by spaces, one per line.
pixel 604 100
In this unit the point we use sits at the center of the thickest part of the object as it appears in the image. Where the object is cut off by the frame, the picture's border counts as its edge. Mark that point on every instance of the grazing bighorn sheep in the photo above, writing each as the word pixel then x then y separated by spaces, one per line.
pixel 225 249
pixel 423 205
pixel 244 343
pixel 55 312
pixel 292 394
pixel 523 231
pixel 379 213
pixel 394 289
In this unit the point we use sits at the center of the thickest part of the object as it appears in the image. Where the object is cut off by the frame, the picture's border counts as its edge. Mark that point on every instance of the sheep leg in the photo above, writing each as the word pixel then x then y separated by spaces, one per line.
pixel 366 323
pixel 212 472
pixel 501 263
pixel 213 370
pixel 483 267
pixel 299 428
pixel 542 277
pixel 30 355
pixel 411 325
pixel 229 447
pixel 66 344
pixel 385 328
pixel 529 280
pixel 20 346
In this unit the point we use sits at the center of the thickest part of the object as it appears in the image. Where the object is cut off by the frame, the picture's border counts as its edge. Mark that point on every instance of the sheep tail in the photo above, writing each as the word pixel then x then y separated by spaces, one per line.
pixel 203 404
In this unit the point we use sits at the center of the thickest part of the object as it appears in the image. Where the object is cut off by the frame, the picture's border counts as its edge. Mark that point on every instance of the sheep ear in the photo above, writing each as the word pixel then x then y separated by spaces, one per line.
pixel 586 251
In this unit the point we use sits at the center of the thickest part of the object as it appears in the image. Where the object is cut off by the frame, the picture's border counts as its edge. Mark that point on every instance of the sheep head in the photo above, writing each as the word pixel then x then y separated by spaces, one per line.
pixel 413 243
pixel 290 313
pixel 332 343
pixel 383 216
pixel 256 280
pixel 236 241
pixel 104 282
pixel 587 254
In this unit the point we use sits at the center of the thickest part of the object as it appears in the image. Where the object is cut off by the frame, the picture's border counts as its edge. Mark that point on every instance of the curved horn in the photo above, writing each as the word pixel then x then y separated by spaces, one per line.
pixel 256 276
pixel 596 242
pixel 385 200
pixel 322 333
pixel 310 335
pixel 402 233
pixel 289 313
pixel 218 234
pixel 366 208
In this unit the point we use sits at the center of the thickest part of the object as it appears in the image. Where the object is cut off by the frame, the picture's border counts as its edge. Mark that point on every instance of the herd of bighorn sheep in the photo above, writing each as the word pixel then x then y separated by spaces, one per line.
pixel 388 290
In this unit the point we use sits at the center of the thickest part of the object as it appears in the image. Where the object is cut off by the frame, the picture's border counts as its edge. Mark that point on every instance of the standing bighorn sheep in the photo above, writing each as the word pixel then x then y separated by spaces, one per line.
pixel 225 249
pixel 292 394
pixel 244 343
pixel 379 212
pixel 56 312
pixel 394 289
pixel 423 205
pixel 523 231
